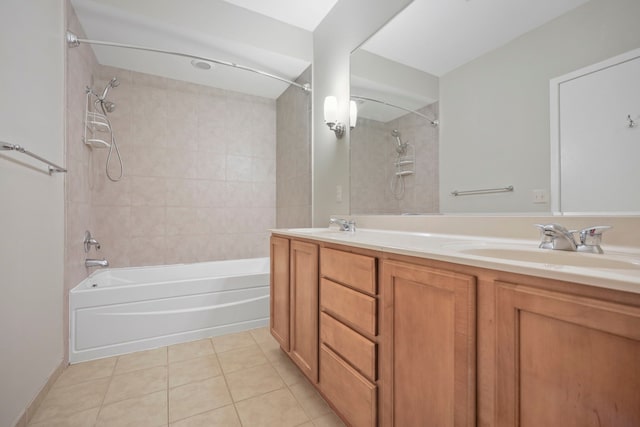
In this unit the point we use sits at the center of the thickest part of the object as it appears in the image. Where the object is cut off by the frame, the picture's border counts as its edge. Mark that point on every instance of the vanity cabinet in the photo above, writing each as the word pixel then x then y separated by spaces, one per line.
pixel 294 301
pixel 279 291
pixel 565 359
pixel 428 332
pixel 348 330
pixel 397 340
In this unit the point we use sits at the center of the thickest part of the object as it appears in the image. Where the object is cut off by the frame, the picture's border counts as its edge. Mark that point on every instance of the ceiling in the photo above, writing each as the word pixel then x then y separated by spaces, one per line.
pixel 276 36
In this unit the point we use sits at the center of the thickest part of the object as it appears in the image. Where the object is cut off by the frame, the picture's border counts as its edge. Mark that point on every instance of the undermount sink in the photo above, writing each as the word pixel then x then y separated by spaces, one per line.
pixel 554 257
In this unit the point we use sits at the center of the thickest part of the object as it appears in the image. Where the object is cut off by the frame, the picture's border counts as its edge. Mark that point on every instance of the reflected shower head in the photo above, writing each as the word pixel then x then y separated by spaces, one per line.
pixel 112 83
pixel 108 106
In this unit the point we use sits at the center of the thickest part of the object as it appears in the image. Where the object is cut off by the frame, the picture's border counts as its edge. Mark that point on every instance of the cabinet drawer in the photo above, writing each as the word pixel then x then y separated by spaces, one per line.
pixel 357 271
pixel 350 345
pixel 352 395
pixel 351 306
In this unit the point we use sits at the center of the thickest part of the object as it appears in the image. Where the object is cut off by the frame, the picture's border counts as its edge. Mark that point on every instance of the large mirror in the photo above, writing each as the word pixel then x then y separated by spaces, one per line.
pixel 455 97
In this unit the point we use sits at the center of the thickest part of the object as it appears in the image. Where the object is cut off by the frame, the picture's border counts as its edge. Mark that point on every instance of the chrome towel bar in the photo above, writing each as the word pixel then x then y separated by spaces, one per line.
pixel 482 191
pixel 52 166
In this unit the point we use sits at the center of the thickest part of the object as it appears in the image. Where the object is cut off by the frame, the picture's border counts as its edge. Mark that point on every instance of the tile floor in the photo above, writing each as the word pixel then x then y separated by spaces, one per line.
pixel 241 379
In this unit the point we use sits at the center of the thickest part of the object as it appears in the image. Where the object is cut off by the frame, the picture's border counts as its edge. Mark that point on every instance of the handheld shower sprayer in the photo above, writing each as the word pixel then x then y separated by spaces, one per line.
pixel 112 83
pixel 402 146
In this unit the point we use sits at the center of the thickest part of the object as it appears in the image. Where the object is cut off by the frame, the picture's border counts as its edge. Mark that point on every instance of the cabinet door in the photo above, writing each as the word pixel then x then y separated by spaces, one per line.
pixel 564 360
pixel 428 347
pixel 280 303
pixel 304 307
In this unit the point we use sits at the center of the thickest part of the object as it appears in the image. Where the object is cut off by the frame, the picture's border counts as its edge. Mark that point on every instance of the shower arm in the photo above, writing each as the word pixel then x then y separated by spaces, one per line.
pixel 74 41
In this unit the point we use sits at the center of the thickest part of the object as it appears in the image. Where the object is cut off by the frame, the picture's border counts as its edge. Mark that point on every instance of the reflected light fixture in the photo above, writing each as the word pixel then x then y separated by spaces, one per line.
pixel 331 115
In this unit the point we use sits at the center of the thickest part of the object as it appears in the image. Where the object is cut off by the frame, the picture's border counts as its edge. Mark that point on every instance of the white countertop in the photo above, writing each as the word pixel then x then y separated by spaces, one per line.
pixel 618 268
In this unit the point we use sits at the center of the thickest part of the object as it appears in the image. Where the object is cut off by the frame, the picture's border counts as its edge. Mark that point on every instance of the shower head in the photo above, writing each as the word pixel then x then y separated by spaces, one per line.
pixel 112 83
pixel 395 133
pixel 108 106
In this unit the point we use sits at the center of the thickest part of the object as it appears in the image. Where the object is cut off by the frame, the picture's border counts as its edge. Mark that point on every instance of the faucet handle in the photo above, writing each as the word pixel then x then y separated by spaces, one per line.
pixel 592 236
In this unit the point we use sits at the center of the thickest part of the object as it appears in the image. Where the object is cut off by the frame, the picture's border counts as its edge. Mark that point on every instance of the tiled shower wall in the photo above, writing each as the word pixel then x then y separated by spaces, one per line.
pixel 293 156
pixel 80 65
pixel 199 179
pixel 373 157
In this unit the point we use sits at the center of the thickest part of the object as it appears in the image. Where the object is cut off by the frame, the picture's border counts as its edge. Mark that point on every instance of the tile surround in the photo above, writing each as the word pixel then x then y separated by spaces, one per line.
pixel 372 165
pixel 185 386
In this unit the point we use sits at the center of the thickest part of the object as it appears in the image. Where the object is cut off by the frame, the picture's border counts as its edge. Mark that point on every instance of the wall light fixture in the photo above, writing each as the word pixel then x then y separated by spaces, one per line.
pixel 331 115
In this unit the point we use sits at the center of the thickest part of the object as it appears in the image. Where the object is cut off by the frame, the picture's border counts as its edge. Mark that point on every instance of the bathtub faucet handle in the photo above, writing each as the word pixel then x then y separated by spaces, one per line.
pixel 90 241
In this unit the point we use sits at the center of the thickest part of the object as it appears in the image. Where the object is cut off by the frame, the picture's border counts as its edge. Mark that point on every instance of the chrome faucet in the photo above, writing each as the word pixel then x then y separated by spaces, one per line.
pixel 89 262
pixel 345 225
pixel 558 237
pixel 90 241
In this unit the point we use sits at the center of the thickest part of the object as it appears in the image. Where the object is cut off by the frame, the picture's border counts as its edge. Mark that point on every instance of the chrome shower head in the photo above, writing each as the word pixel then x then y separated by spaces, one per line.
pixel 112 83
pixel 108 106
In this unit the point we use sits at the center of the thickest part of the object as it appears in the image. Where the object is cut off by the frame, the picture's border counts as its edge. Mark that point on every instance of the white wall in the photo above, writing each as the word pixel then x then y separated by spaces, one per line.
pixel 495 109
pixel 31 202
pixel 347 26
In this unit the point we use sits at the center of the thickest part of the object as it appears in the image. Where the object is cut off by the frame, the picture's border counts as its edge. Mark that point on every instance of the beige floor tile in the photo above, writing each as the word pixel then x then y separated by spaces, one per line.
pixel 141 360
pixel 275 409
pixel 253 382
pixel 232 341
pixel 148 411
pixel 329 420
pixel 310 400
pixel 196 398
pixel 242 358
pixel 262 335
pixel 193 370
pixel 190 350
pixel 79 419
pixel 86 371
pixel 288 371
pixel 61 402
pixel 223 417
pixel 136 383
pixel 307 424
pixel 272 351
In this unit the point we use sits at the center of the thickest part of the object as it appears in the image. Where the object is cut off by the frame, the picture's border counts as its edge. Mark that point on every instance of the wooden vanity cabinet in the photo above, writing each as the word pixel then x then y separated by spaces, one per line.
pixel 294 301
pixel 393 340
pixel 348 330
pixel 428 332
pixel 565 360
pixel 279 291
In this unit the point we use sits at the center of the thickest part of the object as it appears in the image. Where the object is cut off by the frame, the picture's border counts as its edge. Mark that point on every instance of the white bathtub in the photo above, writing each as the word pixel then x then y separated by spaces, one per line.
pixel 121 310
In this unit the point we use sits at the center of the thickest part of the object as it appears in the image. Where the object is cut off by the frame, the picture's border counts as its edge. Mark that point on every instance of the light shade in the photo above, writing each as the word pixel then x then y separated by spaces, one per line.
pixel 330 110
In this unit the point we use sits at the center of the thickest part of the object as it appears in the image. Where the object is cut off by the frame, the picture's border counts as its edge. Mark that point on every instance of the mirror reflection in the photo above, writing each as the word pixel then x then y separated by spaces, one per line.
pixel 483 71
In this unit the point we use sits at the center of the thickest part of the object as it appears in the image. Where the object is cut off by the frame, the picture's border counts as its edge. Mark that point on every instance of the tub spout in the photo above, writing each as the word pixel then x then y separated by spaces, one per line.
pixel 96 263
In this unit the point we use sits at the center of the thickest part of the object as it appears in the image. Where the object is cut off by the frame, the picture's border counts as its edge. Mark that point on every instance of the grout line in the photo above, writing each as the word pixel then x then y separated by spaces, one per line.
pixel 106 391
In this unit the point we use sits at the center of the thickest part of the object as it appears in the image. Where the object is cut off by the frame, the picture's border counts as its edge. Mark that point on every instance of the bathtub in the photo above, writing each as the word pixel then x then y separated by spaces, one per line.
pixel 122 310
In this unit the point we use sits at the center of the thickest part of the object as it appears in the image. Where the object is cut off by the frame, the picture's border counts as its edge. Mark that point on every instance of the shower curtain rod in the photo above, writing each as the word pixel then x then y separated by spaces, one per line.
pixel 74 41
pixel 434 122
